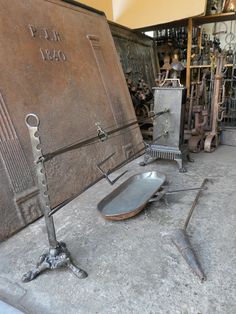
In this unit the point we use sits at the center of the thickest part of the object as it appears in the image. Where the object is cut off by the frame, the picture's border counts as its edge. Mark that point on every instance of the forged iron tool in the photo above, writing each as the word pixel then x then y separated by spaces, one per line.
pixel 212 139
pixel 57 256
pixel 180 239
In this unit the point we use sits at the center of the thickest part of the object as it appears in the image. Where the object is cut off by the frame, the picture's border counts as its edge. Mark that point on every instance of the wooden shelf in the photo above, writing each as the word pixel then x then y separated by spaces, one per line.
pixel 197 20
pixel 214 18
pixel 190 23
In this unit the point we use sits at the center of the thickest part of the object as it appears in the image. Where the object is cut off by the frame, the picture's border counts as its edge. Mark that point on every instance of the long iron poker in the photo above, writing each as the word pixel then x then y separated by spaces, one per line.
pixel 195 203
pixel 180 239
pixel 156 197
pixel 186 190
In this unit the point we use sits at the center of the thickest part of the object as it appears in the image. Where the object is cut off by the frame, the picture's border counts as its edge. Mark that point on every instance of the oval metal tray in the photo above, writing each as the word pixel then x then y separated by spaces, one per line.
pixel 131 196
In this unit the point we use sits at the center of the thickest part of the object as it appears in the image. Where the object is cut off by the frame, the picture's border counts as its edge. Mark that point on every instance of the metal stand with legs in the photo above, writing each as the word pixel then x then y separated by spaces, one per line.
pixel 57 256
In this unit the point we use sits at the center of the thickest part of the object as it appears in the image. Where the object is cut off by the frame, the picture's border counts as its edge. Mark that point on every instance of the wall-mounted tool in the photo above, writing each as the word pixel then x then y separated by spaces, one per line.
pixel 212 139
pixel 180 239
pixel 229 119
pixel 107 173
pixel 57 256
pixel 197 109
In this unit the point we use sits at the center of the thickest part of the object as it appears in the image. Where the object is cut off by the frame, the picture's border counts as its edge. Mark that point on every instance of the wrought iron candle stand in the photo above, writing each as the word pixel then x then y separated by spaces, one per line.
pixel 57 256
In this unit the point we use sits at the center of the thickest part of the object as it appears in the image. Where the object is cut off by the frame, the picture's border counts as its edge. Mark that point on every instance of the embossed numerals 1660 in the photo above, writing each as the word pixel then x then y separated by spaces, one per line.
pixel 52 55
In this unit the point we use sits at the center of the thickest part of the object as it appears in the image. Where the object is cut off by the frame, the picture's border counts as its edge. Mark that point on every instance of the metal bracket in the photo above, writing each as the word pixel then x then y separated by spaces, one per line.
pixel 154 114
pixel 106 174
pixel 101 133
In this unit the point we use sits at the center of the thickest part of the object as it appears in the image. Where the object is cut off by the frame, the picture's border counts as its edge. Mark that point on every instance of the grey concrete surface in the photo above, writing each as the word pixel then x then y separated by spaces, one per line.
pixel 8 309
pixel 133 266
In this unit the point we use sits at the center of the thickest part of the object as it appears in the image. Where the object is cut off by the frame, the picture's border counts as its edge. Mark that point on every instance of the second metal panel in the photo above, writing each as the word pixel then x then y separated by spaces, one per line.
pixel 171 122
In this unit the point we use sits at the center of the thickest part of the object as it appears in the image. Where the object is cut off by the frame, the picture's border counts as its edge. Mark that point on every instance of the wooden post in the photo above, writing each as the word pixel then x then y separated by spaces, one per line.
pixel 189 50
pixel 199 39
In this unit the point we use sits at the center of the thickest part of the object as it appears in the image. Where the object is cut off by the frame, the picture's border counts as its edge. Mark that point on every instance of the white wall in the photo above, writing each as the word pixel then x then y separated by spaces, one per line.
pixel 229 26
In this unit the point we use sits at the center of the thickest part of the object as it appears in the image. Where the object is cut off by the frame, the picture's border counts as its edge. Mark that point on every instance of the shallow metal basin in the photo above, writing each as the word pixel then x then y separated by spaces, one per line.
pixel 131 196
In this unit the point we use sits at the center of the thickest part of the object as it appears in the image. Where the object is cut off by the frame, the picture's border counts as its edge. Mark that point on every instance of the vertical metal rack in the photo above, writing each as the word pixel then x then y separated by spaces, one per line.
pixel 57 256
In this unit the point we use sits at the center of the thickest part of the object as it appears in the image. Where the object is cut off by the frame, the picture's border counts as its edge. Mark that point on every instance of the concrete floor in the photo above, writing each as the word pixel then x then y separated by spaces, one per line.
pixel 8 309
pixel 133 266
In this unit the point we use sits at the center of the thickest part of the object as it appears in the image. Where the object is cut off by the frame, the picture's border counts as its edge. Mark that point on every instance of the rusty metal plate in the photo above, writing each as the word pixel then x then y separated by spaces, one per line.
pixel 59 61
pixel 137 54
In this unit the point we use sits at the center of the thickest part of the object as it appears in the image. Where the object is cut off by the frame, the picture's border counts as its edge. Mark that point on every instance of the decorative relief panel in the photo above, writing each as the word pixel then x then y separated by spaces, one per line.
pixel 18 172
pixel 58 61
pixel 137 54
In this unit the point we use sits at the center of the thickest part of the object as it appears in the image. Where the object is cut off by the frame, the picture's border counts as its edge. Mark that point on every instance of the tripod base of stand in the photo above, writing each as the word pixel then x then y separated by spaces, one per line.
pixel 54 258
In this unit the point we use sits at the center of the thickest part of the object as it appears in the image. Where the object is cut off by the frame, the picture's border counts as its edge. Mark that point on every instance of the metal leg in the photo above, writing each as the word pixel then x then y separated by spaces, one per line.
pixel 145 160
pixel 54 258
pixel 182 169
pixel 189 158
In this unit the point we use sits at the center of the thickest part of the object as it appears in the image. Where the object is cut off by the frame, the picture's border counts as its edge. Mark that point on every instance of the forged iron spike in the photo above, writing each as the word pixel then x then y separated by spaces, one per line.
pixel 181 241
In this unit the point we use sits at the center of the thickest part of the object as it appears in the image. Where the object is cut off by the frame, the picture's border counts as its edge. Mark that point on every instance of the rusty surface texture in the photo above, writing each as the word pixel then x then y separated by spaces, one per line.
pixel 59 61
pixel 137 54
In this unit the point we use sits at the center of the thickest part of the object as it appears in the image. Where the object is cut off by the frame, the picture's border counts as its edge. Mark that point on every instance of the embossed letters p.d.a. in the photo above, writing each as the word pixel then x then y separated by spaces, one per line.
pixel 49 35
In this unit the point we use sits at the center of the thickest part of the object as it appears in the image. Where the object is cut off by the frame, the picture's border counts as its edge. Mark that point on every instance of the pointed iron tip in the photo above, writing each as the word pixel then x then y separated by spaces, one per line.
pixel 181 241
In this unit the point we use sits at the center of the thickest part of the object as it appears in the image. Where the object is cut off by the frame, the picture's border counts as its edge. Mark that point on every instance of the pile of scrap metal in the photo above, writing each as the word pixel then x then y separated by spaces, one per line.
pixel 211 106
pixel 211 103
pixel 140 64
pixel 204 51
pixel 172 41
pixel 142 98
